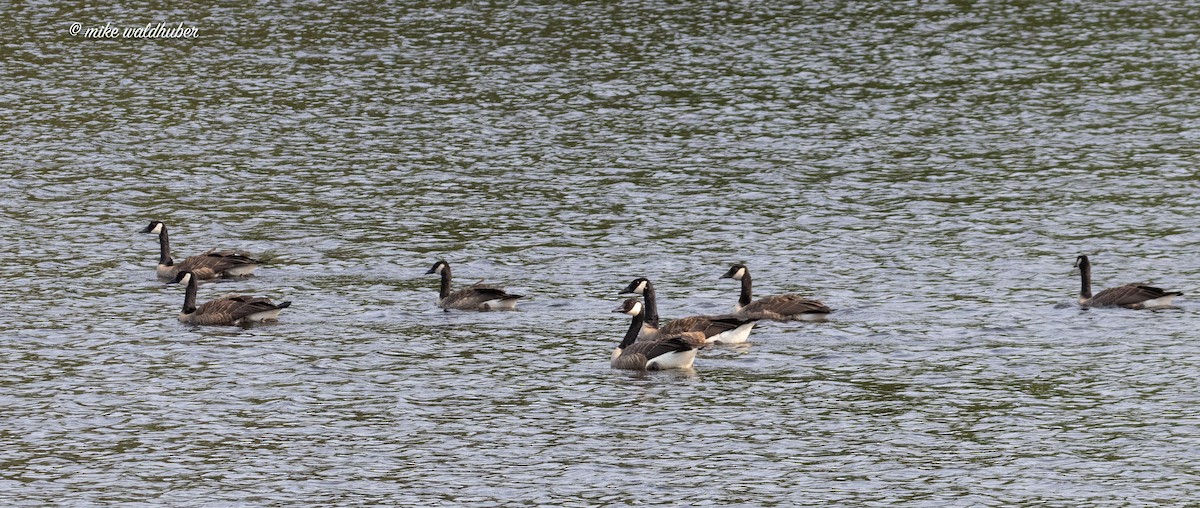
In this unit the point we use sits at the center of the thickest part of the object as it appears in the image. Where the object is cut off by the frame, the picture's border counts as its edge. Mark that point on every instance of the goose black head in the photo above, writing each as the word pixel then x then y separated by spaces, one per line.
pixel 1082 261
pixel 438 267
pixel 630 306
pixel 184 277
pixel 155 227
pixel 736 272
pixel 637 287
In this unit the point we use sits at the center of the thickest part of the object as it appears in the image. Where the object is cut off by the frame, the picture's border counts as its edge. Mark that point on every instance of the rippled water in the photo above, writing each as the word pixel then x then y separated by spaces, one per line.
pixel 930 170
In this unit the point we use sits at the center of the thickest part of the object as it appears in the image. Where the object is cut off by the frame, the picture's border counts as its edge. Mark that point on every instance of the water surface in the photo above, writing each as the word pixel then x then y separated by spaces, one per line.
pixel 930 171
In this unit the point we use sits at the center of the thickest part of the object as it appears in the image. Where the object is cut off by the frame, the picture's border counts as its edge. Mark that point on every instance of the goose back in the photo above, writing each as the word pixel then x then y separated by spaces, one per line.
pixel 786 307
pixel 722 329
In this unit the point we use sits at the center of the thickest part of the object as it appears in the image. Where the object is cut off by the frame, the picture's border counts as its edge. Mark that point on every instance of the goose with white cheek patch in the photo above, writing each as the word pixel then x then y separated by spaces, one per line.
pixel 229 310
pixel 719 329
pixel 787 307
pixel 478 296
pixel 1130 296
pixel 209 265
pixel 676 351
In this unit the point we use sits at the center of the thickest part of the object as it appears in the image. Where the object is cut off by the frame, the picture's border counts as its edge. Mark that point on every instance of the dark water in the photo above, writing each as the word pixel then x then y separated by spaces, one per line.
pixel 930 170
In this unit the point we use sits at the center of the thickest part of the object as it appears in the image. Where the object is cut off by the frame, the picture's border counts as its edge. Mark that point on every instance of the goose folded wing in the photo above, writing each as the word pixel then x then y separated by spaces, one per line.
pixel 696 340
pixel 707 325
pixel 723 323
pixel 237 307
pixel 784 306
pixel 1129 294
pixel 490 292
pixel 215 261
pixel 684 324
pixel 231 255
pixel 680 343
pixel 630 361
pixel 476 295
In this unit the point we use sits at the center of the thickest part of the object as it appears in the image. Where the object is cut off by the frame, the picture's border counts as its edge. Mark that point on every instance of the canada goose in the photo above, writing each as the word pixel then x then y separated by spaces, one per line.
pixel 786 307
pixel 209 265
pixel 676 351
pixel 228 310
pixel 1130 296
pixel 474 297
pixel 722 329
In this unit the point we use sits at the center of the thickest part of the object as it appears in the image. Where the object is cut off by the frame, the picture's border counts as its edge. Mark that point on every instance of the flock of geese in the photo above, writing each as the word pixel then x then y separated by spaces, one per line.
pixel 228 310
pixel 647 345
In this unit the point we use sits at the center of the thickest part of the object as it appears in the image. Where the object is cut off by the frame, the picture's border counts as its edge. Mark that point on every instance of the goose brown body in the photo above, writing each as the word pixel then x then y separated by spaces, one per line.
pixel 673 351
pixel 1130 296
pixel 785 307
pixel 478 296
pixel 229 310
pixel 209 265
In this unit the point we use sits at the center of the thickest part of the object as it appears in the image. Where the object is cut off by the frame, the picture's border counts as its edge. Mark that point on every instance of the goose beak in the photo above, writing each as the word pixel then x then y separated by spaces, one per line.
pixel 431 270
pixel 619 309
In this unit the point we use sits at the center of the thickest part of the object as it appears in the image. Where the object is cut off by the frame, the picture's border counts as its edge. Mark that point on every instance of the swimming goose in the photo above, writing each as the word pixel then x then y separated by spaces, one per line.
pixel 722 329
pixel 209 265
pixel 228 310
pixel 787 307
pixel 1130 296
pixel 676 351
pixel 475 297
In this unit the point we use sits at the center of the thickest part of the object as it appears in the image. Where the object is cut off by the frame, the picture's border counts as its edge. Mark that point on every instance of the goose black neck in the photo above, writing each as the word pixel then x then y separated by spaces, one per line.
pixel 189 296
pixel 164 248
pixel 1085 276
pixel 744 298
pixel 635 327
pixel 445 290
pixel 651 312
